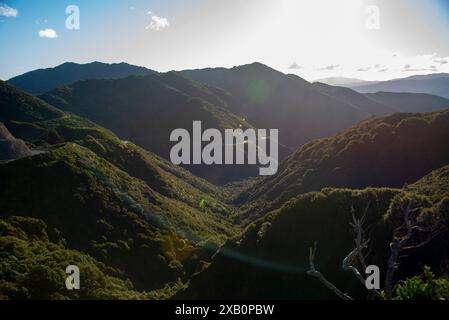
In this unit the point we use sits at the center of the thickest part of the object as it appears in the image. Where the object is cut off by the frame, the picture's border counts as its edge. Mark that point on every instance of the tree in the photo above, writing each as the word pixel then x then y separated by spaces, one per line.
pixel 414 232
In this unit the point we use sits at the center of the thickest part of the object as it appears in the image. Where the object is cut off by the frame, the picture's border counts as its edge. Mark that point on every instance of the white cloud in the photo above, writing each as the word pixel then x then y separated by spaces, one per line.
pixel 295 66
pixel 424 63
pixel 157 23
pixel 330 67
pixel 7 11
pixel 48 33
pixel 440 60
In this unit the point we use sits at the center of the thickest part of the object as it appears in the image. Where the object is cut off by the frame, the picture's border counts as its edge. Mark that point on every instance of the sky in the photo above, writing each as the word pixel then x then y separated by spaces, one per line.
pixel 364 39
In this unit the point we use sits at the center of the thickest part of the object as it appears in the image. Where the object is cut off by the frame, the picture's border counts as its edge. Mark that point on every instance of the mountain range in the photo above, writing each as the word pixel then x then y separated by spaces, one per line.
pixel 344 82
pixel 434 84
pixel 92 184
pixel 146 109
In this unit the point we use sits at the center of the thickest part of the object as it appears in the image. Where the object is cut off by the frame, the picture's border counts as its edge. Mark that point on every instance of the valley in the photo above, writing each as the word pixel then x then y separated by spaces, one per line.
pixel 106 195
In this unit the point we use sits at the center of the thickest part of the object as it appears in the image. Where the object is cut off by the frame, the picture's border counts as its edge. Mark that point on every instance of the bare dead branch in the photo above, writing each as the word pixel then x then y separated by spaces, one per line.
pixel 356 255
pixel 405 238
pixel 415 231
pixel 315 273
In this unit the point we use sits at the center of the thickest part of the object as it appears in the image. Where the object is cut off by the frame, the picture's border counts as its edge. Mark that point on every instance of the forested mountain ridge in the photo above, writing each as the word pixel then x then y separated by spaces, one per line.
pixel 145 110
pixel 382 152
pixel 356 99
pixel 43 80
pixel 271 99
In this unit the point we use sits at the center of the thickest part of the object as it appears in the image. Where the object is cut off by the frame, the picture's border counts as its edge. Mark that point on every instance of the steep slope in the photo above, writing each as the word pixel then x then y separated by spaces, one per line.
pixel 43 80
pixel 271 99
pixel 356 99
pixel 145 110
pixel 431 84
pixel 102 211
pixel 382 152
pixel 10 147
pixel 270 260
pixel 410 102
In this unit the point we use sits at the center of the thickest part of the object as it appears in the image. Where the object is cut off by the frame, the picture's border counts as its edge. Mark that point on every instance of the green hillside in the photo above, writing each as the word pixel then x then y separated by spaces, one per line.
pixel 270 260
pixel 434 184
pixel 158 173
pixel 382 152
pixel 33 266
pixel 129 209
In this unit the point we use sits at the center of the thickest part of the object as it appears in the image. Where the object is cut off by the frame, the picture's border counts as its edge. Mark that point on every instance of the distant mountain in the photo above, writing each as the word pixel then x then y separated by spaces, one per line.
pixel 381 152
pixel 43 80
pixel 356 99
pixel 344 82
pixel 271 99
pixel 146 109
pixel 410 102
pixel 431 84
pixel 383 103
pixel 428 76
pixel 10 147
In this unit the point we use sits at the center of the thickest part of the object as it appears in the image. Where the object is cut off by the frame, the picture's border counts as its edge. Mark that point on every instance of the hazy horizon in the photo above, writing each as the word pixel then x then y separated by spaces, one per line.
pixel 252 62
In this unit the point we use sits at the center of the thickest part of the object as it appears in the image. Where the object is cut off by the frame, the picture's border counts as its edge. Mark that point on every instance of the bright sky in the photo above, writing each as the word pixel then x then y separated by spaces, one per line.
pixel 311 38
